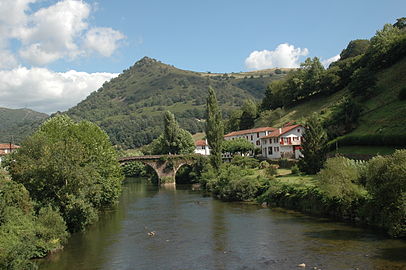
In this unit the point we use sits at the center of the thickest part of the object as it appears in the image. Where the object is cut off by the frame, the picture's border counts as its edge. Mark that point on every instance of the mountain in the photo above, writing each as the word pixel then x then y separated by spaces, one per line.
pixel 16 124
pixel 130 107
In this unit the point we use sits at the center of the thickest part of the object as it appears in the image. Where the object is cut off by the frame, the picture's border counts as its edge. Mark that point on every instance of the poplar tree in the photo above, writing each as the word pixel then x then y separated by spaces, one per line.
pixel 214 129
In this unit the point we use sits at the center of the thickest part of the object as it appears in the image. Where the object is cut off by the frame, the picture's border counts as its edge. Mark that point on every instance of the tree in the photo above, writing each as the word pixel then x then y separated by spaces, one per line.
pixel 355 48
pixel 214 129
pixel 174 140
pixel 70 166
pixel 249 114
pixel 238 145
pixel 233 121
pixel 314 146
pixel 400 23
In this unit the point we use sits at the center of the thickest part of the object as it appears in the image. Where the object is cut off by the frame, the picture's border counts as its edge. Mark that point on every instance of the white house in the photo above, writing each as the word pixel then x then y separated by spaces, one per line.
pixel 7 148
pixel 253 135
pixel 202 147
pixel 283 143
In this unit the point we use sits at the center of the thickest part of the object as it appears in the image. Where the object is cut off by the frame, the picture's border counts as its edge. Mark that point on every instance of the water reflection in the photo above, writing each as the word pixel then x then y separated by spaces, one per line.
pixel 196 232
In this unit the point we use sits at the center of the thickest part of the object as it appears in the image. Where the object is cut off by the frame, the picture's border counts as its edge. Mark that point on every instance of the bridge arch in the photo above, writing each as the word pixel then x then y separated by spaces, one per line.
pixel 165 166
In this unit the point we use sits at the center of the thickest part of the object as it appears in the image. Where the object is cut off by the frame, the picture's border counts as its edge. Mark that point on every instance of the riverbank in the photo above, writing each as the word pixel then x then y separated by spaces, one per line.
pixel 368 193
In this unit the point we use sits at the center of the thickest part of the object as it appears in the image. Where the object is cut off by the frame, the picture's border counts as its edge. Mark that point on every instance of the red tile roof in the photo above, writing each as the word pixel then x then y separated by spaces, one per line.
pixel 247 131
pixel 200 143
pixel 278 132
pixel 4 146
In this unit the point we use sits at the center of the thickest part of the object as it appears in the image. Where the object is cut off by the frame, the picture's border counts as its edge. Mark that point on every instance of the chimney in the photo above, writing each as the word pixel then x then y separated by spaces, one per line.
pixel 280 130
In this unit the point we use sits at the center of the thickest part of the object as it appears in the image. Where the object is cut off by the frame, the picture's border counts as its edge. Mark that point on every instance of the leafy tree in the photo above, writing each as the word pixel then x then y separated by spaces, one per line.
pixel 238 145
pixel 70 166
pixel 214 129
pixel 386 181
pixel 233 121
pixel 344 117
pixel 174 140
pixel 249 114
pixel 355 48
pixel 363 83
pixel 400 23
pixel 314 146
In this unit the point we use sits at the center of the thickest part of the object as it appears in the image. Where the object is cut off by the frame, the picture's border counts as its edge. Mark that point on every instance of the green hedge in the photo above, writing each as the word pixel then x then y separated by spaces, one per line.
pixel 369 140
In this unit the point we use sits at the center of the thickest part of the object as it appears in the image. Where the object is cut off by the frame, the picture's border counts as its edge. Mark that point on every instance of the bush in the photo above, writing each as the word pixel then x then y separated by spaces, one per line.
pixel 264 164
pixel 245 162
pixel 370 139
pixel 386 181
pixel 340 179
pixel 295 169
pixel 233 183
pixel 134 169
pixel 272 170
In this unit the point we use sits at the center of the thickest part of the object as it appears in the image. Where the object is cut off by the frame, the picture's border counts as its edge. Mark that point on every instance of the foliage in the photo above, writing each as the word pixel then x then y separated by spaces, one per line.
pixel 355 48
pixel 238 145
pixel 233 121
pixel 344 118
pixel 370 139
pixel 264 164
pixel 314 146
pixel 245 162
pixel 295 169
pixel 134 169
pixel 249 114
pixel 71 166
pixel 363 83
pixel 25 234
pixel 386 181
pixel 214 128
pixel 174 140
pixel 272 170
pixel 340 179
pixel 233 183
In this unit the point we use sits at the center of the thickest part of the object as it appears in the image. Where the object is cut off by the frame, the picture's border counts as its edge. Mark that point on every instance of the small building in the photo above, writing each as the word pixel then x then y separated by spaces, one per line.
pixel 284 142
pixel 253 135
pixel 202 147
pixel 7 148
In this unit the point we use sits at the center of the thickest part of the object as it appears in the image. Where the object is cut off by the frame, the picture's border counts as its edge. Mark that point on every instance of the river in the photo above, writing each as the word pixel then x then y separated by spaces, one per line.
pixel 191 231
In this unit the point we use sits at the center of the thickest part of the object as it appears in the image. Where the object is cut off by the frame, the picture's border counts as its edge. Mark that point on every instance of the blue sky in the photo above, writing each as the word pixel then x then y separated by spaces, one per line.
pixel 57 52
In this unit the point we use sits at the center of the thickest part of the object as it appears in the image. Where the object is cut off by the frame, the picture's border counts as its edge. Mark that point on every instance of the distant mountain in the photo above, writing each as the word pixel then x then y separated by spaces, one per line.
pixel 16 124
pixel 129 107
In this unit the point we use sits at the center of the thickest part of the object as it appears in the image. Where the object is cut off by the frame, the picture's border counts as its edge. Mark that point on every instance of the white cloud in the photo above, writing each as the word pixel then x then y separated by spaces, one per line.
pixel 103 40
pixel 284 56
pixel 47 91
pixel 327 62
pixel 7 60
pixel 58 31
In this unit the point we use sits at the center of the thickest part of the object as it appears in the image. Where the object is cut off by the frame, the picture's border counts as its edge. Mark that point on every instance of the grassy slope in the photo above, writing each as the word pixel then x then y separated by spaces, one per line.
pixel 383 113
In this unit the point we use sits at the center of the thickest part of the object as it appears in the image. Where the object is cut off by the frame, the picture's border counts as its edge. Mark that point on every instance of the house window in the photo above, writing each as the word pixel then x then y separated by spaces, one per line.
pixel 276 149
pixel 298 130
pixel 252 137
pixel 269 150
pixel 257 134
pixel 258 142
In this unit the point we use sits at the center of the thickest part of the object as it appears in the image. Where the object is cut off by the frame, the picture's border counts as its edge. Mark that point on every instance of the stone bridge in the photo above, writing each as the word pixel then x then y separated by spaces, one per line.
pixel 165 166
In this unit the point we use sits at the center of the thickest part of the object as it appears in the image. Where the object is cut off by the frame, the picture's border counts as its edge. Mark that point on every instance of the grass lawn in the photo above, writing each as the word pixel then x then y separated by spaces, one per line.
pixel 297 179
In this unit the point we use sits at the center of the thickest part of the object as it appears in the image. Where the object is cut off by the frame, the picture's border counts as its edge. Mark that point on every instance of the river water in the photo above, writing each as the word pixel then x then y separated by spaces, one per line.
pixel 196 232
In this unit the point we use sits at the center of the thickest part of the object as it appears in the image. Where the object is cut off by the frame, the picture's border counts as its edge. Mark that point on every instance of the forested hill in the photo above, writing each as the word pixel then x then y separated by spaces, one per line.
pixel 130 107
pixel 16 124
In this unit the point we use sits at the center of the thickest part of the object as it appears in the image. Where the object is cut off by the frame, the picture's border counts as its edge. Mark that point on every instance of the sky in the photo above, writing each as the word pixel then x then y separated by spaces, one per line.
pixel 54 53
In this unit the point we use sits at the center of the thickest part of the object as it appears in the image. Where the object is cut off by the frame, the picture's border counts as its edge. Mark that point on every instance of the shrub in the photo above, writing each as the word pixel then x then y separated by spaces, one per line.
pixel 386 181
pixel 264 164
pixel 234 183
pixel 295 169
pixel 340 179
pixel 272 170
pixel 245 162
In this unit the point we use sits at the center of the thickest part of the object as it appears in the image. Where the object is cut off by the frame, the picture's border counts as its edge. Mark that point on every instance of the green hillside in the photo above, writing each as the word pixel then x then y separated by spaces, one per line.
pixel 381 114
pixel 129 108
pixel 16 124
